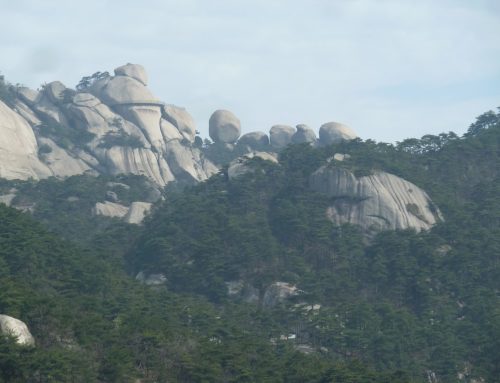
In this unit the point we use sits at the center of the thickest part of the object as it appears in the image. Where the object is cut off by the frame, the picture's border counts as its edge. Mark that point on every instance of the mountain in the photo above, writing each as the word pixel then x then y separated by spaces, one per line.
pixel 145 254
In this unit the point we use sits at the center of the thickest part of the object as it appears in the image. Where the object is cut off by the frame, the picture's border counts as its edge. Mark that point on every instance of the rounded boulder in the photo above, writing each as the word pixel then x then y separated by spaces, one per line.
pixel 335 132
pixel 135 71
pixel 304 134
pixel 281 135
pixel 254 139
pixel 224 126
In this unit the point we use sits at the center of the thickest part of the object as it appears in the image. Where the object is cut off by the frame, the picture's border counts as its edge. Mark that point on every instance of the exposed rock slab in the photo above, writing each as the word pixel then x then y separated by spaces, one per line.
pixel 380 201
pixel 278 292
pixel 17 328
pixel 182 120
pixel 240 166
pixel 137 212
pixel 134 71
pixel 18 148
pixel 110 209
pixel 59 161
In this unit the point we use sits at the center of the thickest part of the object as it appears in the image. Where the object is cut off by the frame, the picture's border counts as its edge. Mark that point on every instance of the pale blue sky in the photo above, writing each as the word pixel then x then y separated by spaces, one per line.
pixel 389 69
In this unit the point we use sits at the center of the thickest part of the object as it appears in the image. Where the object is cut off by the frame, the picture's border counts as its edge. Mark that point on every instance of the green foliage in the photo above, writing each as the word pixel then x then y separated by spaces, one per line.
pixel 120 138
pixel 63 136
pixel 7 94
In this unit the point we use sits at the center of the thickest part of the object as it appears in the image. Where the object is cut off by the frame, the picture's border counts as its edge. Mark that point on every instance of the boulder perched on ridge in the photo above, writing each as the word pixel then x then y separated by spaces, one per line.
pixel 224 126
pixel 303 135
pixel 134 71
pixel 335 132
pixel 281 135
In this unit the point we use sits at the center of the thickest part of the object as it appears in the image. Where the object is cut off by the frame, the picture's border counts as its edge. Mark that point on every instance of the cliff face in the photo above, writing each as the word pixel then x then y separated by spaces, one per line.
pixel 110 125
pixel 380 201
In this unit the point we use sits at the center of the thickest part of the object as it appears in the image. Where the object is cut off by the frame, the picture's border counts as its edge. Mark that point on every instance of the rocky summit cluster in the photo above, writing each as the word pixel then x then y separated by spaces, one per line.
pixel 113 124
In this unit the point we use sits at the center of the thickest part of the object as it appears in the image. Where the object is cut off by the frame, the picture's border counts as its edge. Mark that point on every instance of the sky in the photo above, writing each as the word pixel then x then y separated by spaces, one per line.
pixel 388 69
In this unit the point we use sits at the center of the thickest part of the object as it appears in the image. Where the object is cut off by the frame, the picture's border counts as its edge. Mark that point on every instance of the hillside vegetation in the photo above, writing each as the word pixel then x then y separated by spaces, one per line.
pixel 399 307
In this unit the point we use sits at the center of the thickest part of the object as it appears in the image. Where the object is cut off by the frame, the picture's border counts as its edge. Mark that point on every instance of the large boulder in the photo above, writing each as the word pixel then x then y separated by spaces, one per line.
pixel 380 201
pixel 14 327
pixel 125 90
pixel 334 133
pixel 181 119
pixel 255 140
pixel 137 212
pixel 303 135
pixel 18 148
pixel 134 71
pixel 110 209
pixel 59 161
pixel 55 91
pixel 224 126
pixel 27 95
pixel 281 135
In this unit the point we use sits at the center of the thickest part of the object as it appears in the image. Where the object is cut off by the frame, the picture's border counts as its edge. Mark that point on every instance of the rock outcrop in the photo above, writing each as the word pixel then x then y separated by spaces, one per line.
pixel 281 136
pixel 18 148
pixel 254 140
pixel 240 166
pixel 224 126
pixel 14 327
pixel 304 134
pixel 134 214
pixel 109 125
pixel 376 202
pixel 278 292
pixel 334 133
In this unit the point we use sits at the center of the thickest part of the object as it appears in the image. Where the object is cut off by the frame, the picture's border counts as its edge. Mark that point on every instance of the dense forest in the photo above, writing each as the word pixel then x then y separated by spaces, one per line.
pixel 399 307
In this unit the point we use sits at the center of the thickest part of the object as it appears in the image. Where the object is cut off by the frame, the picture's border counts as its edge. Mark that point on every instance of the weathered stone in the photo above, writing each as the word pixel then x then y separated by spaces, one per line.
pixel 334 133
pixel 110 209
pixel 255 140
pixel 14 327
pixel 55 91
pixel 135 71
pixel 224 126
pixel 187 163
pixel 278 292
pixel 126 90
pixel 7 198
pixel 18 148
pixel 182 120
pixel 151 279
pixel 126 160
pixel 376 202
pixel 59 161
pixel 27 95
pixel 169 131
pixel 304 134
pixel 239 166
pixel 86 99
pixel 137 212
pixel 281 135
pixel 112 196
pixel 25 112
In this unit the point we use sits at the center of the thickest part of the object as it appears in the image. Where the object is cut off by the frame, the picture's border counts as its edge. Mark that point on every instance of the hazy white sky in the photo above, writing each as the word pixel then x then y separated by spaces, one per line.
pixel 390 69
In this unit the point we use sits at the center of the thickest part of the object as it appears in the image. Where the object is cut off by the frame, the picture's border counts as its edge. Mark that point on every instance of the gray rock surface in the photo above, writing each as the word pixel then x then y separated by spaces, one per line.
pixel 55 91
pixel 59 161
pixel 151 279
pixel 135 71
pixel 304 134
pixel 110 209
pixel 182 120
pixel 255 140
pixel 224 126
pixel 281 136
pixel 7 198
pixel 125 90
pixel 137 212
pixel 334 133
pixel 380 201
pixel 27 95
pixel 14 327
pixel 239 166
pixel 18 148
pixel 278 292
